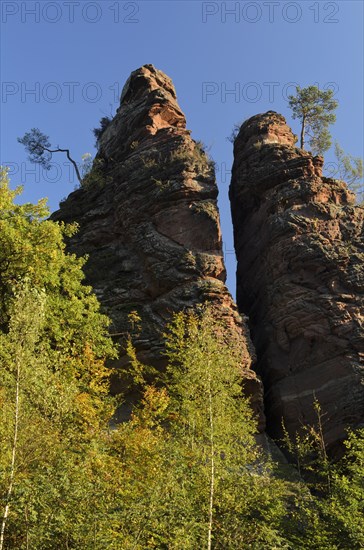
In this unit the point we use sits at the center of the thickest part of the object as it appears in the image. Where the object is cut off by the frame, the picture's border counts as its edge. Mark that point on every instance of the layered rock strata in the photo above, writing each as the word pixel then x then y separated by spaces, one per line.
pixel 148 220
pixel 300 279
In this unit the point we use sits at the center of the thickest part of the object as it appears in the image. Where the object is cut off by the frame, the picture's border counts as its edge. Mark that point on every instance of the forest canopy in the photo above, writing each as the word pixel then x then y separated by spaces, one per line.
pixel 185 470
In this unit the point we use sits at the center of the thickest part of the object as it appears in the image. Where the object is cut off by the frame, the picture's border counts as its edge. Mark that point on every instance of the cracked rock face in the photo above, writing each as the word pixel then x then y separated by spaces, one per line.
pixel 300 278
pixel 149 222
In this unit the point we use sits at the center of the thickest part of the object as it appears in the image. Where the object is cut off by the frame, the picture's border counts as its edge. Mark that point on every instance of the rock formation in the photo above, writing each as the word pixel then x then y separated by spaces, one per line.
pixel 148 220
pixel 300 279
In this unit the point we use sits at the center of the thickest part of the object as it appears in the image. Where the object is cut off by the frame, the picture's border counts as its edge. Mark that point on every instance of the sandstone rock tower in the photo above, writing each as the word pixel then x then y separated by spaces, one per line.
pixel 300 278
pixel 149 222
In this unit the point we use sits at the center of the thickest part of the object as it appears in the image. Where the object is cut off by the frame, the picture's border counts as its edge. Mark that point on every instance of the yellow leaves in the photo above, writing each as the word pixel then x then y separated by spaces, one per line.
pixel 155 403
pixel 86 409
pixel 89 355
pixel 92 405
pixel 142 439
pixel 134 320
pixel 96 369
pixel 2 398
pixel 137 369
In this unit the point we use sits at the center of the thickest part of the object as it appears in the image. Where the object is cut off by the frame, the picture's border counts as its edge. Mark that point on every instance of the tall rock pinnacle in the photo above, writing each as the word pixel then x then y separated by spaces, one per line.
pixel 299 245
pixel 148 220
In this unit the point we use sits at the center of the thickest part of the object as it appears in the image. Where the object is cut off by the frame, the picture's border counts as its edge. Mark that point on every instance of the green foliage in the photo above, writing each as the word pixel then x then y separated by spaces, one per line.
pixel 213 430
pixel 95 176
pixel 134 320
pixel 185 471
pixel 344 509
pixel 197 157
pixel 53 386
pixel 37 145
pixel 193 470
pixel 349 169
pixel 168 447
pixel 189 259
pixel 161 167
pixel 201 155
pixel 104 123
pixel 206 207
pixel 333 512
pixel 32 247
pixel 314 108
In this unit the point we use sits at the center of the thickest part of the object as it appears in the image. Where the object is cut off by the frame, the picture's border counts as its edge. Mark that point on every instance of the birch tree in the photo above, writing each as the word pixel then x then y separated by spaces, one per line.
pixel 54 403
pixel 26 320
pixel 214 427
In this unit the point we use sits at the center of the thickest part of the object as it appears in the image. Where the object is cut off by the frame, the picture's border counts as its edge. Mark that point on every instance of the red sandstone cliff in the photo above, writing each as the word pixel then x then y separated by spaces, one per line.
pixel 149 222
pixel 300 278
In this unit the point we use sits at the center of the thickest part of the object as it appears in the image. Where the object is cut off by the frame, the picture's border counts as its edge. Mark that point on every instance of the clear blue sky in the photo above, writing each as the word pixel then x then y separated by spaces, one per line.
pixel 76 56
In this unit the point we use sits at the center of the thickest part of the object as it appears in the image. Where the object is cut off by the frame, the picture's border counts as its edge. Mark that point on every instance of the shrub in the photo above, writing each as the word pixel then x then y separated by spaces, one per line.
pixel 104 123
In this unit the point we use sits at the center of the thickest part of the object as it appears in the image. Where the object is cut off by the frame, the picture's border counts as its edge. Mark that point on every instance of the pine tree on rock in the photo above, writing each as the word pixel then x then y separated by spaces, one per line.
pixel 315 110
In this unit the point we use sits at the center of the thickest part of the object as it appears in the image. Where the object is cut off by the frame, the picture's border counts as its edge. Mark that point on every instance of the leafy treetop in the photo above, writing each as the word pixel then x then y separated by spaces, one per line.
pixel 38 146
pixel 315 109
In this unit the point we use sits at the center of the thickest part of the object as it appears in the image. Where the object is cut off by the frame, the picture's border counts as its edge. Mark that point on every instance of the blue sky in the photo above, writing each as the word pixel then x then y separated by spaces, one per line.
pixel 63 64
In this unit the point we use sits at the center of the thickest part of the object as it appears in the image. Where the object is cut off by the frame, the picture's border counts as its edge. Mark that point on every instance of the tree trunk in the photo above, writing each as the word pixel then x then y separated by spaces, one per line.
pixel 75 166
pixel 324 456
pixel 69 158
pixel 13 456
pixel 303 132
pixel 212 472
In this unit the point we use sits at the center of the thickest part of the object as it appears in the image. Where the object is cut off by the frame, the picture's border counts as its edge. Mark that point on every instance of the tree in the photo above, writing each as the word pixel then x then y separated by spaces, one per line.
pixel 344 509
pixel 193 473
pixel 213 420
pixel 38 146
pixel 104 123
pixel 349 168
pixel 314 108
pixel 330 504
pixel 235 496
pixel 54 403
pixel 184 471
pixel 23 333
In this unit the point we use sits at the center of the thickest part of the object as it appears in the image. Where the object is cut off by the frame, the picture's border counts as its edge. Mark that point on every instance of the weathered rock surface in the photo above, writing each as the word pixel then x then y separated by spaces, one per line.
pixel 149 222
pixel 300 279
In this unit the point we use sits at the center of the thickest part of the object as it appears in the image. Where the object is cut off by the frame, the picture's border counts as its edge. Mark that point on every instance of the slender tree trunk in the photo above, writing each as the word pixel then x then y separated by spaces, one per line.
pixel 75 166
pixel 303 132
pixel 27 528
pixel 323 447
pixel 212 471
pixel 69 158
pixel 13 456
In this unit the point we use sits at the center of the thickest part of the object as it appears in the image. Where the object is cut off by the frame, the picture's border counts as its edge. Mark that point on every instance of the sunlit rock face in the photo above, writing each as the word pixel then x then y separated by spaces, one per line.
pixel 148 220
pixel 300 279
